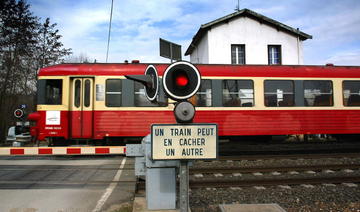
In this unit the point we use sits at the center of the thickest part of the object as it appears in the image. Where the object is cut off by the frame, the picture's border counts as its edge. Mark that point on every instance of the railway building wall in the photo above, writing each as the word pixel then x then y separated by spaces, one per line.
pixel 213 42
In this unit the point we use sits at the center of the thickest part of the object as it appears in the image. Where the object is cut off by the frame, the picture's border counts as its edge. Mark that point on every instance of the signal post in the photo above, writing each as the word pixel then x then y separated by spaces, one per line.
pixel 174 145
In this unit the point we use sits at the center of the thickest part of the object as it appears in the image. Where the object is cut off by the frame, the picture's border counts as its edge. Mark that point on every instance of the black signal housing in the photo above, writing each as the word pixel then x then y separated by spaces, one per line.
pixel 181 80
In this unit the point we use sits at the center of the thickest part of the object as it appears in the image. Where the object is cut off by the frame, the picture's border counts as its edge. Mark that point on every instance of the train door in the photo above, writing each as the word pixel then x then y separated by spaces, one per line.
pixel 82 104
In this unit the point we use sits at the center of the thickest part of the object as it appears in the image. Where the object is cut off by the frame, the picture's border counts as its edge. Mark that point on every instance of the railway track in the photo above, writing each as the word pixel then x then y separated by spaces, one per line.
pixel 281 150
pixel 336 169
pixel 289 156
pixel 229 173
pixel 224 182
pixel 216 183
pixel 227 170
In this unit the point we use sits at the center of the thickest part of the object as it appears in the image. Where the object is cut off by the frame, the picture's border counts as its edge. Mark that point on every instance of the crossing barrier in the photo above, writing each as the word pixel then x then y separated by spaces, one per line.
pixel 98 150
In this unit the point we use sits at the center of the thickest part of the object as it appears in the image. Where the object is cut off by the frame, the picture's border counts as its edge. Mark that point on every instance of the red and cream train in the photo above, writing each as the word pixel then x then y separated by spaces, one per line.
pixel 94 102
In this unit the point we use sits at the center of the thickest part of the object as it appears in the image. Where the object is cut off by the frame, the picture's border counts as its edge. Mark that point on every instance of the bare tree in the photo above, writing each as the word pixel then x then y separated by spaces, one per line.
pixel 81 58
pixel 26 45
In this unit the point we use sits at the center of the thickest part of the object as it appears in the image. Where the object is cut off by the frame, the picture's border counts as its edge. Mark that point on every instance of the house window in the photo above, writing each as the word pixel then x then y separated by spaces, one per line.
pixel 274 53
pixel 238 54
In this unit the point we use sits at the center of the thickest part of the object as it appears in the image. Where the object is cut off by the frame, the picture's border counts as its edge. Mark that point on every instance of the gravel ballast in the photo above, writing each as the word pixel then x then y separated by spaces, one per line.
pixel 295 198
pixel 319 197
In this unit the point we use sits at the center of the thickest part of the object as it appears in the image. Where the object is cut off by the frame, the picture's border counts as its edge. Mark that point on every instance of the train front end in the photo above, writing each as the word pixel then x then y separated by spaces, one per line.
pixel 51 117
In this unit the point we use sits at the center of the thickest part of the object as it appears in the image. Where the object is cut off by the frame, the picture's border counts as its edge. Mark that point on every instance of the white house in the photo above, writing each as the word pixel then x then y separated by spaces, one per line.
pixel 246 37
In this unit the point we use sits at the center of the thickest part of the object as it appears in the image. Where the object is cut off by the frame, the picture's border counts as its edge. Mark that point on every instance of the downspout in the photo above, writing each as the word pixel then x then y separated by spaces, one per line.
pixel 298 46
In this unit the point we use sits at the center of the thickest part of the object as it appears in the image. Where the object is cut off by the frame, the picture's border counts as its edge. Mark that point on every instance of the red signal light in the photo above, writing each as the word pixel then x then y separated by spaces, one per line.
pixel 181 80
pixel 18 113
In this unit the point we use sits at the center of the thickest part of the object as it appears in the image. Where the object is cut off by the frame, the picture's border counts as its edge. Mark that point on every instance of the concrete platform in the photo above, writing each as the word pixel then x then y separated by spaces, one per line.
pixel 251 208
pixel 140 206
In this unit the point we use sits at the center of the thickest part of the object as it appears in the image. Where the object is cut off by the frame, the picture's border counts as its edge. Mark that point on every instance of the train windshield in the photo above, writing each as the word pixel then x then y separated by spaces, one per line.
pixel 49 92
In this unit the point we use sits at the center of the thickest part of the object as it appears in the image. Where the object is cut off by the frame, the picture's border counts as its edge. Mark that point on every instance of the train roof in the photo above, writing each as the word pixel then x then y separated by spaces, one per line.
pixel 214 70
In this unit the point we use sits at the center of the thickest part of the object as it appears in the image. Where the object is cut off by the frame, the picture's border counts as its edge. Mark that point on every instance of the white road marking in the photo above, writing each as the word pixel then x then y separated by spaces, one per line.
pixel 110 188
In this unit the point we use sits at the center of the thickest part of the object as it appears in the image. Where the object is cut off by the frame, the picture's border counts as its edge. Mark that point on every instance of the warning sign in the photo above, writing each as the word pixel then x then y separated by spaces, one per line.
pixel 184 142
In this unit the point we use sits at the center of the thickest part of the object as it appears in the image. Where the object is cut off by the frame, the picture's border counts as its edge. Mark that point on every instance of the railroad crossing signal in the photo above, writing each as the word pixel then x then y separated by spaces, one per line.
pixel 18 113
pixel 181 80
pixel 152 90
pixel 150 80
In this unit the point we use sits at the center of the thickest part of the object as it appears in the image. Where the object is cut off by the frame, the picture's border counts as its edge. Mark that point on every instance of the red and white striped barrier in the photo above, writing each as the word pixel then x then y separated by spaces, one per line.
pixel 98 150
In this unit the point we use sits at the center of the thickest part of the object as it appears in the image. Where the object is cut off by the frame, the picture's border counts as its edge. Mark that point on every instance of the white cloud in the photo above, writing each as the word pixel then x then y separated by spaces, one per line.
pixel 345 58
pixel 274 10
pixel 138 24
pixel 341 27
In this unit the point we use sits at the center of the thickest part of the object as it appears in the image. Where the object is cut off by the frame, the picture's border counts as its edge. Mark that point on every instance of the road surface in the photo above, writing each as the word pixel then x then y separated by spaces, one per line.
pixel 66 183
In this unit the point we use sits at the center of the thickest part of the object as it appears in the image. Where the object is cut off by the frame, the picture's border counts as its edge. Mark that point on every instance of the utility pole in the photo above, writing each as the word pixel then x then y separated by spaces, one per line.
pixel 238 6
pixel 108 42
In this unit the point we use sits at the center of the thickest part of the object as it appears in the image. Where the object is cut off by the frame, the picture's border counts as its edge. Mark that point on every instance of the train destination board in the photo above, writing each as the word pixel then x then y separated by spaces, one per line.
pixel 184 142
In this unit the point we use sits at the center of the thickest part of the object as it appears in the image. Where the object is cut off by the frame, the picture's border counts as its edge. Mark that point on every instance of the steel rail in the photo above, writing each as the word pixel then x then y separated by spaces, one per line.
pixel 233 169
pixel 271 182
pixel 290 156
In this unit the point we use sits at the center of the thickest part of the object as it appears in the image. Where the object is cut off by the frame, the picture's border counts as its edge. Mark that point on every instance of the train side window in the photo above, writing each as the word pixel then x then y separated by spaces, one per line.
pixel 87 93
pixel 351 93
pixel 113 93
pixel 318 93
pixel 203 98
pixel 77 96
pixel 50 92
pixel 238 93
pixel 279 93
pixel 141 99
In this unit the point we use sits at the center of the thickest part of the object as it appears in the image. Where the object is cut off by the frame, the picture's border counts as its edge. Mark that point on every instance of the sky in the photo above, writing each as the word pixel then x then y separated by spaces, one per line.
pixel 137 25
